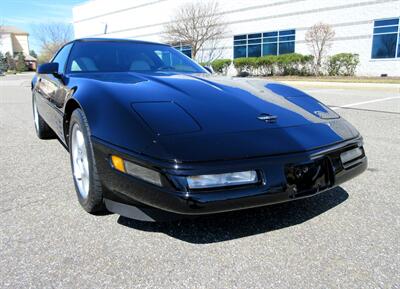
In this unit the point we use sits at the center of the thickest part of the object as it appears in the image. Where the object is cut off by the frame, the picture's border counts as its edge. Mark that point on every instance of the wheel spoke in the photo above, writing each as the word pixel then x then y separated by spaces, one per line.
pixel 80 161
pixel 81 141
pixel 35 114
pixel 78 175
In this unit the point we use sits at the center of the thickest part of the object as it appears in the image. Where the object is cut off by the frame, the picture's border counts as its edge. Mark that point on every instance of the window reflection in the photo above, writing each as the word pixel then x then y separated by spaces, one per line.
pixel 384 46
pixel 267 43
pixel 385 39
pixel 185 49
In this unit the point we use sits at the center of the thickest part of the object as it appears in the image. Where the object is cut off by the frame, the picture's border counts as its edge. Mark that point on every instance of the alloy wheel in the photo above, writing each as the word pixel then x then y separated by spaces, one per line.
pixel 80 161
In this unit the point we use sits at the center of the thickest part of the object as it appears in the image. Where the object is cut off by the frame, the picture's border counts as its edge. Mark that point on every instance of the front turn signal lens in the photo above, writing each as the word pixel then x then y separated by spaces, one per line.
pixel 136 170
pixel 118 163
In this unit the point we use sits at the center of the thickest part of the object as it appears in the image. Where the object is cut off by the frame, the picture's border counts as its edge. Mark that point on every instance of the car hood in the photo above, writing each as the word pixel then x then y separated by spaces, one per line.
pixel 207 117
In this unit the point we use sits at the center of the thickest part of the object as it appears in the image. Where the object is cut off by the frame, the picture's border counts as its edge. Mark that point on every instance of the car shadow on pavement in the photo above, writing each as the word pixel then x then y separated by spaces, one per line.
pixel 238 224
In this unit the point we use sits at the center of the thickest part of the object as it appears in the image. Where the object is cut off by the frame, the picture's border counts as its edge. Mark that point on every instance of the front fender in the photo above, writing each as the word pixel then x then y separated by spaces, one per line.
pixel 113 120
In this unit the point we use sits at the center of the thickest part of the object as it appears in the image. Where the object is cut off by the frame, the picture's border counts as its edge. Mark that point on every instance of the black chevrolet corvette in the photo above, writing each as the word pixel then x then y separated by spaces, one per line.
pixel 151 133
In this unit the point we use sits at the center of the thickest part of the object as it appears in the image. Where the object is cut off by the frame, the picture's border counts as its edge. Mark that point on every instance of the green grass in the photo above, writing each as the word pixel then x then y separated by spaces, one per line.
pixel 350 79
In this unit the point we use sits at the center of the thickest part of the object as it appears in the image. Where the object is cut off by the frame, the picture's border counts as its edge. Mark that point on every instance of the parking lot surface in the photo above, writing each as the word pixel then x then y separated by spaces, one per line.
pixel 348 237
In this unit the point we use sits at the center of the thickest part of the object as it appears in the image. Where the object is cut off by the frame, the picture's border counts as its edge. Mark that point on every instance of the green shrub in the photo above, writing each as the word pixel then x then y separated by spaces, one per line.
pixel 294 64
pixel 343 64
pixel 285 64
pixel 21 65
pixel 246 64
pixel 307 65
pixel 266 64
pixel 221 65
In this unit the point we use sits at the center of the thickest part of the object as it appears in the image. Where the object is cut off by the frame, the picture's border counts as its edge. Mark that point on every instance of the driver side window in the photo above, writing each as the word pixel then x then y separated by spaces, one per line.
pixel 62 57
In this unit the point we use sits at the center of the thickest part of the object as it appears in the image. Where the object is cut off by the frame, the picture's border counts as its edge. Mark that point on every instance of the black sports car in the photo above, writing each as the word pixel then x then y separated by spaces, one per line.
pixel 150 132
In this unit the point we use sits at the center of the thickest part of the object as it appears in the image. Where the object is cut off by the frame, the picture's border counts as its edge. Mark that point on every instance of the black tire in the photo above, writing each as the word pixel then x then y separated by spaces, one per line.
pixel 93 203
pixel 43 131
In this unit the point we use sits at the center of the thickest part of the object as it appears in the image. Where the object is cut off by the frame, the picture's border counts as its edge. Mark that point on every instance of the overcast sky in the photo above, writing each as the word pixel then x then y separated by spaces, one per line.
pixel 25 14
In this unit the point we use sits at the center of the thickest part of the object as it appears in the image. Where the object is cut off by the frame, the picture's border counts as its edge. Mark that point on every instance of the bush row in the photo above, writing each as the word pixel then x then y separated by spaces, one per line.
pixel 221 65
pixel 342 64
pixel 286 64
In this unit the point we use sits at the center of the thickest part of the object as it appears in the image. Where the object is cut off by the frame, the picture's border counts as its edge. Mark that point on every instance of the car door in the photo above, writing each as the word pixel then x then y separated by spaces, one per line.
pixel 52 91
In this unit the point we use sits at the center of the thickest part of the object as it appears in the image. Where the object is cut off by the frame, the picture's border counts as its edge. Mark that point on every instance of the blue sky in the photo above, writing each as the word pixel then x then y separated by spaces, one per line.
pixel 26 13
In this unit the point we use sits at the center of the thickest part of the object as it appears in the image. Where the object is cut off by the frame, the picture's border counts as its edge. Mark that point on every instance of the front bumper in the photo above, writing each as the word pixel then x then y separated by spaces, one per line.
pixel 277 180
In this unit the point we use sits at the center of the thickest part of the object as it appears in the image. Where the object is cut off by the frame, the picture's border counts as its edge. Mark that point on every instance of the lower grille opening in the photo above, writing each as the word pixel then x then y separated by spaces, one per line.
pixel 309 178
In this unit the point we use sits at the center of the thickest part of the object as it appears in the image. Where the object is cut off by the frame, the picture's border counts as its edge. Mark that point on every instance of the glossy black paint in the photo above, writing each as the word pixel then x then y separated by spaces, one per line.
pixel 187 124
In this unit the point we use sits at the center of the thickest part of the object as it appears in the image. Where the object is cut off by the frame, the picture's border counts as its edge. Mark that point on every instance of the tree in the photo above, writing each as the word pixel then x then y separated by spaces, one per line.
pixel 10 61
pixel 195 24
pixel 319 39
pixel 33 53
pixel 21 65
pixel 51 36
pixel 3 63
pixel 211 51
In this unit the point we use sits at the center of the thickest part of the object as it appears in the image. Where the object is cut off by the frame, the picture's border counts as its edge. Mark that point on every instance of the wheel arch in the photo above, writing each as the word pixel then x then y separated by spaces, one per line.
pixel 70 106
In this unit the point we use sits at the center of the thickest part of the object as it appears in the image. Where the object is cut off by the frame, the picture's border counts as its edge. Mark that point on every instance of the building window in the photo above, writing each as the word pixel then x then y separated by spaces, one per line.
pixel 386 39
pixel 267 43
pixel 254 45
pixel 185 49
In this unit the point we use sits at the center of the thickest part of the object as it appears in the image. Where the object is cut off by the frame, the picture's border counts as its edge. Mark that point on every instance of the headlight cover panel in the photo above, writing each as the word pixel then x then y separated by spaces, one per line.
pixel 166 118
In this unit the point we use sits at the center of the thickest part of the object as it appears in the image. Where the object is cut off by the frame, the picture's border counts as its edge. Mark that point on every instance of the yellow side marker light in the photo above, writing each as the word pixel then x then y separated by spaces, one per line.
pixel 118 163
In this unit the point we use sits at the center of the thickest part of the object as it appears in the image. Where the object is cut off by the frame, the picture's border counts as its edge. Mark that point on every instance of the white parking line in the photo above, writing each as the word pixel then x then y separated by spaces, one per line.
pixel 324 90
pixel 364 102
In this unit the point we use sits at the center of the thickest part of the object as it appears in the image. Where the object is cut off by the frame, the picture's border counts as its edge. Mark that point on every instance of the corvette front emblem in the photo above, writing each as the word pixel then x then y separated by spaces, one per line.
pixel 268 118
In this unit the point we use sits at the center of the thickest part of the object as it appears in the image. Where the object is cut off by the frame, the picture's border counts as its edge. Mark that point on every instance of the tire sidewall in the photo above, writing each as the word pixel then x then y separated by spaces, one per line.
pixel 94 198
pixel 43 131
pixel 34 106
pixel 40 127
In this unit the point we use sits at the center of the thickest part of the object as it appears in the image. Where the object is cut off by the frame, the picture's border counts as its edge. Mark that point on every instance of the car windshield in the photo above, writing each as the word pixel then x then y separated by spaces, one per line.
pixel 125 56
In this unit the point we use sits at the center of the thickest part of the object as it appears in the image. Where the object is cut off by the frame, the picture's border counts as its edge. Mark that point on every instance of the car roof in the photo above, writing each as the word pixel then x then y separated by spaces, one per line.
pixel 117 40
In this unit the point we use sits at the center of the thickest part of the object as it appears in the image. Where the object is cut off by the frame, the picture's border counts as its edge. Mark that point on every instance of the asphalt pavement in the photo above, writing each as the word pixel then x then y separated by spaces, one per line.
pixel 348 237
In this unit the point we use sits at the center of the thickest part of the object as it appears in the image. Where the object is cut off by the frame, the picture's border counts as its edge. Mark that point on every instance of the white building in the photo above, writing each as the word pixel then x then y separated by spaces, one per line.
pixel 13 40
pixel 369 28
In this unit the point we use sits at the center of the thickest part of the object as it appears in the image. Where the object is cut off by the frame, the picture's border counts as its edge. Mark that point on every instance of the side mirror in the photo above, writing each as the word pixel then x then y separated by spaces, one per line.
pixel 48 68
pixel 209 68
